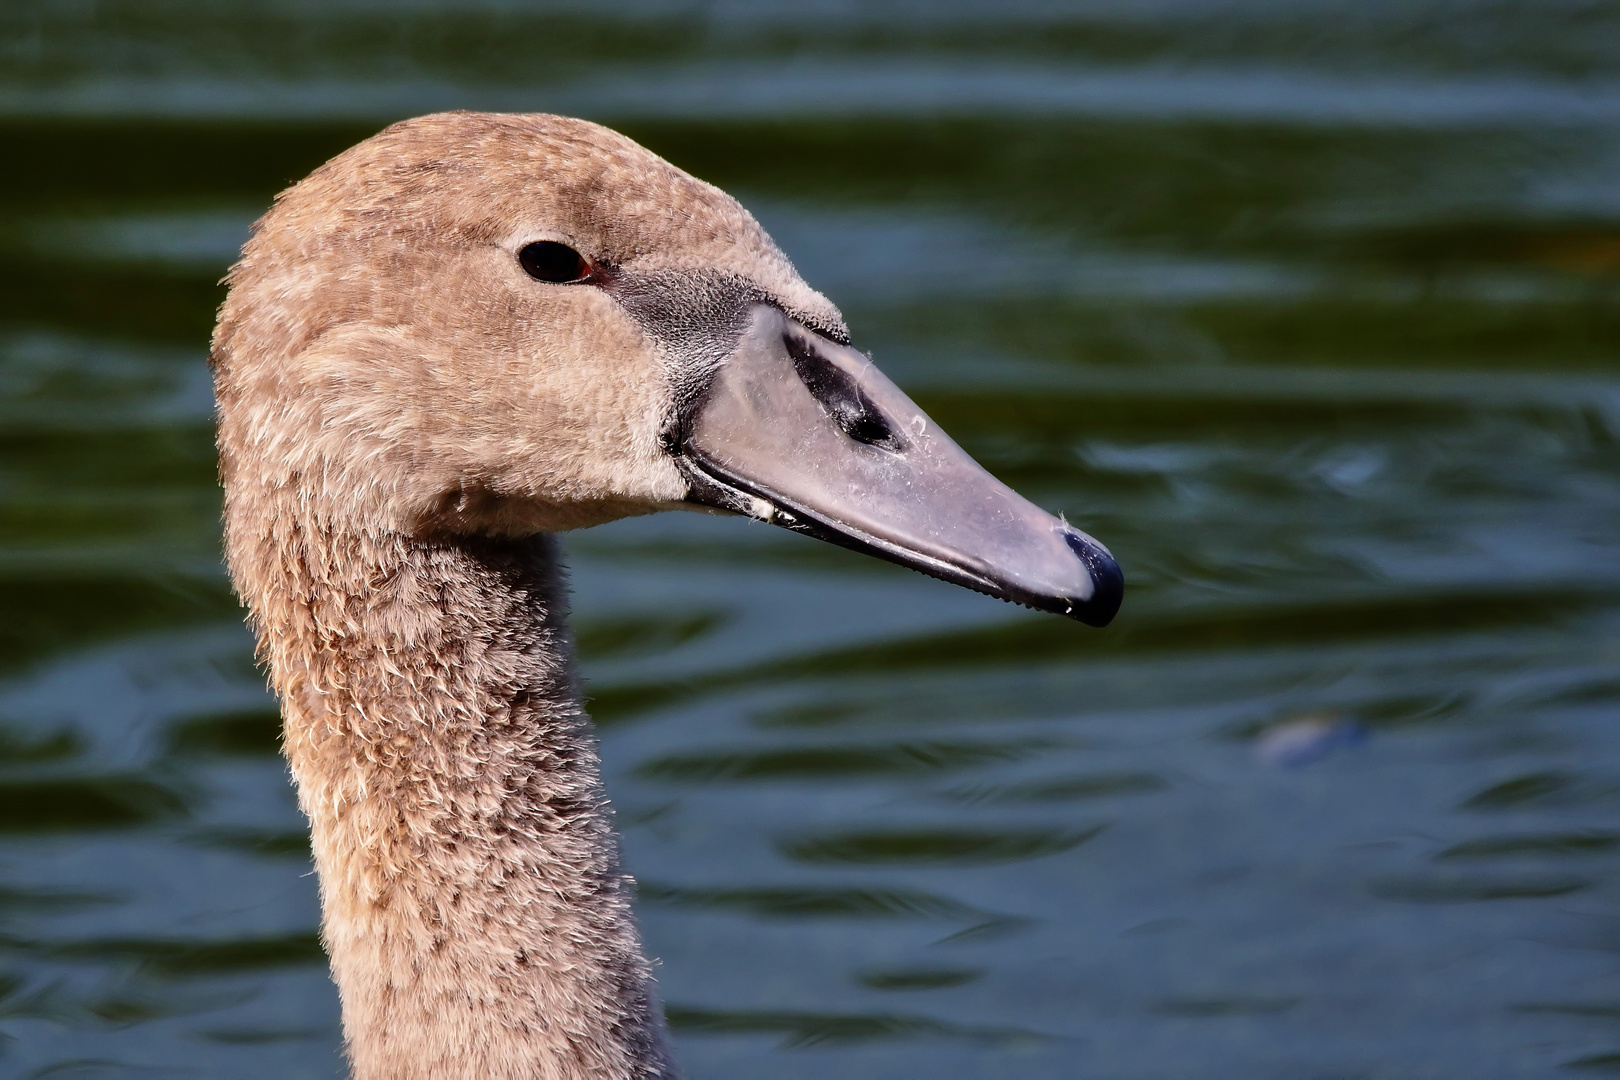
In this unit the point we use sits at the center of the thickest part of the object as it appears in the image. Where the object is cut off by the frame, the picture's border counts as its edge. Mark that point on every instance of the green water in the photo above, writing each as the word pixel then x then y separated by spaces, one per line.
pixel 1310 311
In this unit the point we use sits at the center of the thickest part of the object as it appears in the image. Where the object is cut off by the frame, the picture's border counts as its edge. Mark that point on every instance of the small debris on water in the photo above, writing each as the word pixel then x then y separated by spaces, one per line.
pixel 1305 738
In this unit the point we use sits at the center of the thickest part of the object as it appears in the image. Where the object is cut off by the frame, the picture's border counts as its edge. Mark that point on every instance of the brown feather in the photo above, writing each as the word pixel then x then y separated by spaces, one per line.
pixel 404 417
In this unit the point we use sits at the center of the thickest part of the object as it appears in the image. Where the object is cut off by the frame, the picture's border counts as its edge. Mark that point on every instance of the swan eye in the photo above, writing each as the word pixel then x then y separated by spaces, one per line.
pixel 547 260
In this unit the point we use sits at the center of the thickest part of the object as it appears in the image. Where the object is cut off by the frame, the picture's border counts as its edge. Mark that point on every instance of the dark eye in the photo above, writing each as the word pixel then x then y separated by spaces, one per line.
pixel 547 260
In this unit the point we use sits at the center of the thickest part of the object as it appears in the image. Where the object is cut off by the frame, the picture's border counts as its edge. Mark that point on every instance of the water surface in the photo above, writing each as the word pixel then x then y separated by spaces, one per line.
pixel 1309 311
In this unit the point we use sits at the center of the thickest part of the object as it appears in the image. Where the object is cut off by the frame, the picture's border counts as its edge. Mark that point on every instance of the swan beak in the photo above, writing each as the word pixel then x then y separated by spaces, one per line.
pixel 804 433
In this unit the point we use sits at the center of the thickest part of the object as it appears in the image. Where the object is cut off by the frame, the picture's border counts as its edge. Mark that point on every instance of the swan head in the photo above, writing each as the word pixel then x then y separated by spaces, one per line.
pixel 482 324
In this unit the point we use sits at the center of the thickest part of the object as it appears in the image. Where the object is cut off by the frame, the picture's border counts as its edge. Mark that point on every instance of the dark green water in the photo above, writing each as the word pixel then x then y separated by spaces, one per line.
pixel 1311 311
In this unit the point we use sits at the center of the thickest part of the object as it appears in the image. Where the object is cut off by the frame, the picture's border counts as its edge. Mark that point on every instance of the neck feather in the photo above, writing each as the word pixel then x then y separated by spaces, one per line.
pixel 474 909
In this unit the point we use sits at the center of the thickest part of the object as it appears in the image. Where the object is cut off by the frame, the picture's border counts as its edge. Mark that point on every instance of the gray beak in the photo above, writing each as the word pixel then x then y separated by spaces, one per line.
pixel 804 433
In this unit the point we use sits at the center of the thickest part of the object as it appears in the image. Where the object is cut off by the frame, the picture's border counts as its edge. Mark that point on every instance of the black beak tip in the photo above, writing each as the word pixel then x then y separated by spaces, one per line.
pixel 1107 581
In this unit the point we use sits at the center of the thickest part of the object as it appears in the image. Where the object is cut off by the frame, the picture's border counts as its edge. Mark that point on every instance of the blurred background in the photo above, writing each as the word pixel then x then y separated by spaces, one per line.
pixel 1307 308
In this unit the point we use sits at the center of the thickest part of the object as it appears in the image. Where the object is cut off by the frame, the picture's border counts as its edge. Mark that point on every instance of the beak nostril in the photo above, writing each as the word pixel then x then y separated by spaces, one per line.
pixel 856 414
pixel 870 427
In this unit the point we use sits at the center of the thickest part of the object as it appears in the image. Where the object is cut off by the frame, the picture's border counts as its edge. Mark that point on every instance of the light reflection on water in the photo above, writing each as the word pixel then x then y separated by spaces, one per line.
pixel 1307 311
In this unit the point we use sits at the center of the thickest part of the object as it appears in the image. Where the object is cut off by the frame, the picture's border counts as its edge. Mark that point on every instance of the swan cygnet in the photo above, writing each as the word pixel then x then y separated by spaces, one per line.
pixel 466 334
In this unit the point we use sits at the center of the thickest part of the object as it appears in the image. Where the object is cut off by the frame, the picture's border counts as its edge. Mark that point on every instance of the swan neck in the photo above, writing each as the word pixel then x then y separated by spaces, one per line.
pixel 473 904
